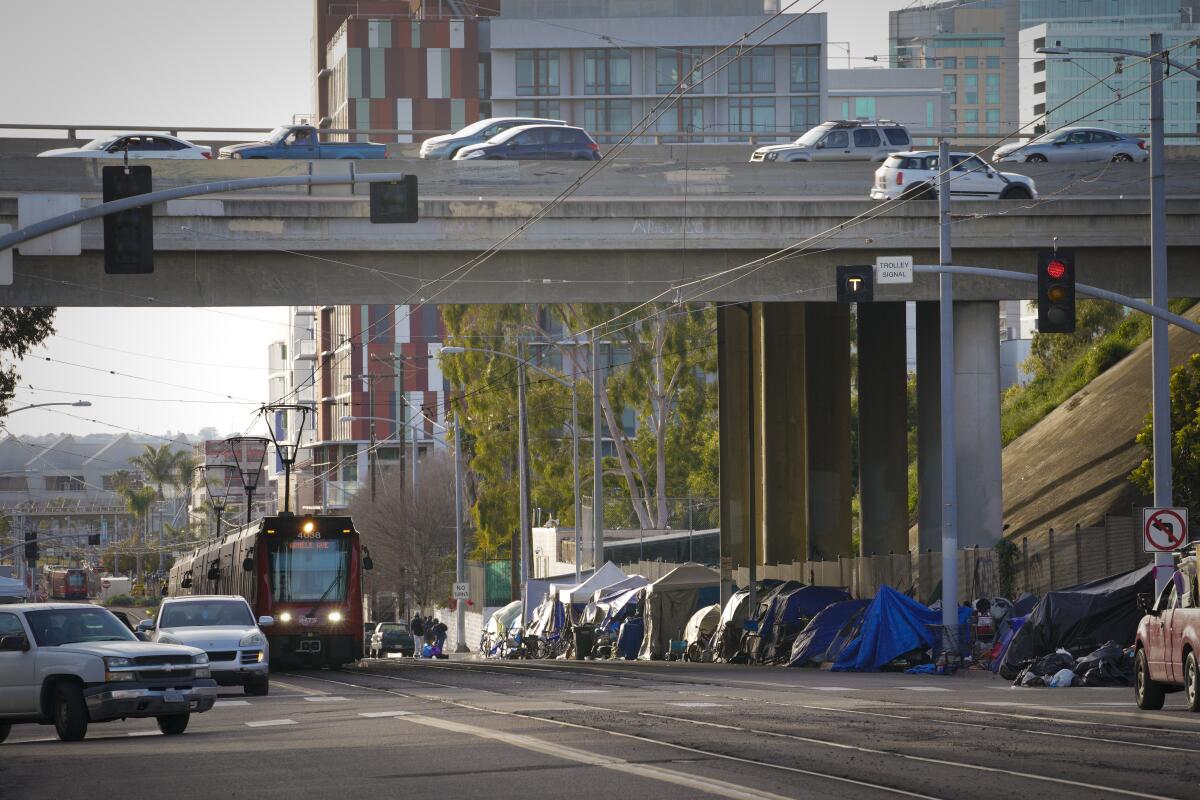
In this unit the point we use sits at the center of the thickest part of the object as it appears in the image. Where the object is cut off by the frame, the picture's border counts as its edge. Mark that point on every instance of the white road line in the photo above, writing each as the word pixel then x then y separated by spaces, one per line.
pixel 378 714
pixel 228 703
pixel 270 723
pixel 1085 722
pixel 923 688
pixel 300 689
pixel 326 698
pixel 585 691
pixel 144 733
pixel 697 705
pixel 696 783
pixel 826 689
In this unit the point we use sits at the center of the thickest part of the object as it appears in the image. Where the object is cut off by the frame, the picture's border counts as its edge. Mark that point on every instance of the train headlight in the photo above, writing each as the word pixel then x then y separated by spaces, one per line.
pixel 335 616
pixel 286 616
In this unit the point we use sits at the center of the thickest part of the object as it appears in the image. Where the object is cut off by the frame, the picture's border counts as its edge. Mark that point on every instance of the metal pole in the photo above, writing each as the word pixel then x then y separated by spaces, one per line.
pixel 575 466
pixel 371 451
pixel 597 460
pixel 460 624
pixel 1164 563
pixel 249 504
pixel 403 411
pixel 752 606
pixel 523 479
pixel 946 365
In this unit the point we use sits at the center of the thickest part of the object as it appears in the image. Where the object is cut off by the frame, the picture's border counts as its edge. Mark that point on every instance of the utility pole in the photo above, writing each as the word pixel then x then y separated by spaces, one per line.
pixel 460 626
pixel 526 534
pixel 575 467
pixel 598 380
pixel 1160 354
pixel 371 452
pixel 946 366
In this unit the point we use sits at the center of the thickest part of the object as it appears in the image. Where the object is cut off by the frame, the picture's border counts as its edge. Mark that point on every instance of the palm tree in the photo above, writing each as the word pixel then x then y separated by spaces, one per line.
pixel 139 501
pixel 158 464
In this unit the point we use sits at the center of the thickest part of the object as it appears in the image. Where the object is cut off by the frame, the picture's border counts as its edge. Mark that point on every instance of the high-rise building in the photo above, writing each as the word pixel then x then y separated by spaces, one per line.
pixel 604 65
pixel 377 377
pixel 292 382
pixel 404 64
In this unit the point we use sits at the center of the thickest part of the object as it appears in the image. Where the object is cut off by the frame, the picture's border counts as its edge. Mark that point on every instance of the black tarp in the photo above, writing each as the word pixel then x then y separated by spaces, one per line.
pixel 1080 619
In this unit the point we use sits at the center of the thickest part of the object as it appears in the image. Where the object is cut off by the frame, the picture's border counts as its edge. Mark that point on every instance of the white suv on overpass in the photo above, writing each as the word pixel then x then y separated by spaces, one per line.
pixel 913 175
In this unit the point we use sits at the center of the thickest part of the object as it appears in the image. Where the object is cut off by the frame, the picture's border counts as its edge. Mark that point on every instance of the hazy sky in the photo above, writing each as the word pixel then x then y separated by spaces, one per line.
pixel 241 63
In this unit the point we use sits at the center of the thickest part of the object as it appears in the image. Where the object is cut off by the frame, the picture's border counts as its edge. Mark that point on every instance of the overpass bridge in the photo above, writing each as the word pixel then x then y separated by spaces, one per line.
pixel 646 229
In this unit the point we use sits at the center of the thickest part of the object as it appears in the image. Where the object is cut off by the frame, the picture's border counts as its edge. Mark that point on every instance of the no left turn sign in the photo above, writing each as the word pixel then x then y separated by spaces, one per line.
pixel 1164 530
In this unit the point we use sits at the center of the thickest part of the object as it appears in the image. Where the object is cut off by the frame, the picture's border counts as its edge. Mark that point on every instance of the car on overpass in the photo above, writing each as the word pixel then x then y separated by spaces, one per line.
pixel 137 145
pixel 1075 145
pixel 840 140
pixel 302 142
pixel 535 142
pixel 913 176
pixel 447 145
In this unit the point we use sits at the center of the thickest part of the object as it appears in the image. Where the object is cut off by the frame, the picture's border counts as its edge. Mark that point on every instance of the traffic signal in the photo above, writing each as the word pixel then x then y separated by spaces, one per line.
pixel 93 538
pixel 128 235
pixel 394 201
pixel 1056 291
pixel 855 284
pixel 31 546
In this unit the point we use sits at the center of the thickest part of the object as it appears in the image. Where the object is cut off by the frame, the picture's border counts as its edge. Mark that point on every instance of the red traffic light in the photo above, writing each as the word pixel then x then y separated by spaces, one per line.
pixel 1056 269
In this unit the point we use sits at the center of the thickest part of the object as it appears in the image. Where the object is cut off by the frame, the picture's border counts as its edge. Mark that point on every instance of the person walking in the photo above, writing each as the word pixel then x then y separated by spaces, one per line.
pixel 439 633
pixel 417 626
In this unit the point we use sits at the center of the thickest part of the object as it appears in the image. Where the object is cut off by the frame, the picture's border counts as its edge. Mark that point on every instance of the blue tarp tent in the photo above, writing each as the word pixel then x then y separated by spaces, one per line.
pixel 827 633
pixel 787 613
pixel 892 625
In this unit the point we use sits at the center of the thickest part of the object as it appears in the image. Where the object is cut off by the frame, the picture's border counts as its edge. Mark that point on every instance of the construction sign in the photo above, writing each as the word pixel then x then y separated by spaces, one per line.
pixel 1164 530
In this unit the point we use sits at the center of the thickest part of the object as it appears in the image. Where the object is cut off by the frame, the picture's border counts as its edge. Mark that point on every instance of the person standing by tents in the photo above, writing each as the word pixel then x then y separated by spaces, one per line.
pixel 417 626
pixel 439 634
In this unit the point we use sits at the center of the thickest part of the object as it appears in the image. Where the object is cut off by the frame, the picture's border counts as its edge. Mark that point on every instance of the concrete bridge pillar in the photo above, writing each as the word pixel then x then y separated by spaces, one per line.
pixel 977 412
pixel 882 429
pixel 827 373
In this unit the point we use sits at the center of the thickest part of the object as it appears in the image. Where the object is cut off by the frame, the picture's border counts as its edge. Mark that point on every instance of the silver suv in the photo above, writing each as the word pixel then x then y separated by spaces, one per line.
pixel 841 140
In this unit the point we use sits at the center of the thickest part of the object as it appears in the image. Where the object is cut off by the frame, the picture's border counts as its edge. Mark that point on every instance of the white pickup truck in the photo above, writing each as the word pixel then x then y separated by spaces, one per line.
pixel 71 664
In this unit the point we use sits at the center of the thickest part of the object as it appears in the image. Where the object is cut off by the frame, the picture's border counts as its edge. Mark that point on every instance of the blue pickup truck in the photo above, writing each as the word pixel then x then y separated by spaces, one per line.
pixel 301 141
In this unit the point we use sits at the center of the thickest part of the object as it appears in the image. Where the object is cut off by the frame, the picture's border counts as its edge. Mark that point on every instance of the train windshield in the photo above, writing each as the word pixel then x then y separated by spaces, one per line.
pixel 76 580
pixel 309 569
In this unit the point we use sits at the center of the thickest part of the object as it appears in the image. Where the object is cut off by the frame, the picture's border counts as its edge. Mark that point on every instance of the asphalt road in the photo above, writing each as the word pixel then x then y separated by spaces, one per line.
pixel 468 729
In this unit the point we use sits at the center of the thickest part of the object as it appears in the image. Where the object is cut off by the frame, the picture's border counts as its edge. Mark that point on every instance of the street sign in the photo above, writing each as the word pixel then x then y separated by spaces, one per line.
pixel 894 269
pixel 462 591
pixel 1164 530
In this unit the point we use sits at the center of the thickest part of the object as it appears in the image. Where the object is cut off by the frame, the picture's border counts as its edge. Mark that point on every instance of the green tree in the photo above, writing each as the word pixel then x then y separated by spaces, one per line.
pixel 159 466
pixel 139 501
pixel 20 330
pixel 1185 439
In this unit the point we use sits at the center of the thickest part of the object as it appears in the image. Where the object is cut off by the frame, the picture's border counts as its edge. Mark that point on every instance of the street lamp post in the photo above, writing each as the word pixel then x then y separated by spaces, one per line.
pixel 248 464
pixel 75 404
pixel 1160 351
pixel 286 450
pixel 573 385
pixel 216 485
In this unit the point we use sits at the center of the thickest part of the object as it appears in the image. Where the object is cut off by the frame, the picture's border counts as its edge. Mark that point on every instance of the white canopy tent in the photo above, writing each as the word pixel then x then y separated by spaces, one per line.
pixel 607 575
pixel 670 603
pixel 620 587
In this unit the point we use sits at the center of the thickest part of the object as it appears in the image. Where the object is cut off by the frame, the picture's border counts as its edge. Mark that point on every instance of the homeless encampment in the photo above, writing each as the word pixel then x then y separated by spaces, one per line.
pixel 828 633
pixel 1080 619
pixel 892 626
pixel 670 602
pixel 698 633
pixel 581 593
pixel 787 612
pixel 502 625
pixel 727 640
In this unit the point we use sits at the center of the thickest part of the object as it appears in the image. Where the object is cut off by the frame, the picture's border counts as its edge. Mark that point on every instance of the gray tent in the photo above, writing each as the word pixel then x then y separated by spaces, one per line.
pixel 670 603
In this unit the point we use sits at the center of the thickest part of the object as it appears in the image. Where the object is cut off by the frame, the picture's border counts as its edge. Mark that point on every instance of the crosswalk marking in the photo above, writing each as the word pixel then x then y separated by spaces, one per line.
pixel 144 733
pixel 227 703
pixel 377 714
pixel 268 723
pixel 326 698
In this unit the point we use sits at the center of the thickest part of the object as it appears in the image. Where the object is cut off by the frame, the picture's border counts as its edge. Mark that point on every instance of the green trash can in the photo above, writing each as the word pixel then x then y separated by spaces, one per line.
pixel 585 637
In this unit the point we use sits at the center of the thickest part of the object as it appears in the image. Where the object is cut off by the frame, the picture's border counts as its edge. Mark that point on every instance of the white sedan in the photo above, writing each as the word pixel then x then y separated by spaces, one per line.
pixel 140 145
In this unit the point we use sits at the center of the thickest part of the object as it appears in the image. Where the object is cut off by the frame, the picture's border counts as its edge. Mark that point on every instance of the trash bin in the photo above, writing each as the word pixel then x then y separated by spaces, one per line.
pixel 584 638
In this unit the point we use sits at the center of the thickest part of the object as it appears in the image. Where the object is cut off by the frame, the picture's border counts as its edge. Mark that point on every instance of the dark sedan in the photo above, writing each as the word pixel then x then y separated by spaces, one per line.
pixel 540 142
pixel 391 637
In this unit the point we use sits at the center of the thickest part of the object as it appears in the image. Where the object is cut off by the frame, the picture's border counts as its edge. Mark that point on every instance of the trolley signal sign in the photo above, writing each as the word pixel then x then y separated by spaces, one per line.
pixel 1164 530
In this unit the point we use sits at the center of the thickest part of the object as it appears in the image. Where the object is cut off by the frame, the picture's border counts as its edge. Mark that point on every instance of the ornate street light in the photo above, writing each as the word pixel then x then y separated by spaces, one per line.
pixel 216 484
pixel 287 450
pixel 249 454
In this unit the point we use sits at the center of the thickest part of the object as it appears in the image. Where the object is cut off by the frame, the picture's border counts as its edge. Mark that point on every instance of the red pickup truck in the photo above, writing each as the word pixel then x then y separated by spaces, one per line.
pixel 1168 642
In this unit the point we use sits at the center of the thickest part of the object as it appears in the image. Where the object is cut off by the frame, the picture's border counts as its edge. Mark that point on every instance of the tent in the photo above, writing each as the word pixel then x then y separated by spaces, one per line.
pixel 892 625
pixel 1079 619
pixel 581 593
pixel 538 589
pixel 670 602
pixel 701 626
pixel 761 617
pixel 827 634
pixel 13 590
pixel 605 593
pixel 728 636
pixel 788 611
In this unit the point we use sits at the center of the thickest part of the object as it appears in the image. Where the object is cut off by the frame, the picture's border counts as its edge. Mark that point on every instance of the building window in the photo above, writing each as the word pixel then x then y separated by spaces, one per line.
pixel 971 62
pixel 1039 87
pixel 992 117
pixel 485 76
pixel 971 120
pixel 752 114
pixel 350 463
pixel 929 115
pixel 991 94
pixel 864 108
pixel 615 116
pixel 993 62
pixel 537 72
pixel 806 113
pixel 1039 66
pixel 806 68
pixel 754 72
pixel 686 115
pixel 971 95
pixel 606 72
pixel 674 66
pixel 546 109
pixel 950 82
pixel 949 62
pixel 65 483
